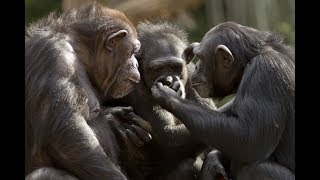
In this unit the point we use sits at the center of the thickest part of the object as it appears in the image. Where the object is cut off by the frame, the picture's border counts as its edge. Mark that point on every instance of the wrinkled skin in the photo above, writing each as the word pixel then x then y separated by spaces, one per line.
pixel 172 151
pixel 72 63
pixel 257 133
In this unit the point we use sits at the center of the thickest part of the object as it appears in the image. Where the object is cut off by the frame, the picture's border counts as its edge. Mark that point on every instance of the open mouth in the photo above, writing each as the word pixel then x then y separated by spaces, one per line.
pixel 134 80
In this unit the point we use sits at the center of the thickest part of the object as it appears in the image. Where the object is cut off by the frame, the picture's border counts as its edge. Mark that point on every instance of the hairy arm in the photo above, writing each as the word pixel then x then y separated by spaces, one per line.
pixel 73 145
pixel 250 131
pixel 56 112
pixel 170 133
pixel 164 127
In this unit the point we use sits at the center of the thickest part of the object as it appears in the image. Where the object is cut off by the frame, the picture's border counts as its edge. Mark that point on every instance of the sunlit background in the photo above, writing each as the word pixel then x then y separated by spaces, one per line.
pixel 195 16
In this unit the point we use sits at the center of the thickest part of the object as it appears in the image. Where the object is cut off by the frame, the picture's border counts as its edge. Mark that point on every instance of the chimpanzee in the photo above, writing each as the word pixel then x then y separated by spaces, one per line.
pixel 257 133
pixel 172 151
pixel 72 63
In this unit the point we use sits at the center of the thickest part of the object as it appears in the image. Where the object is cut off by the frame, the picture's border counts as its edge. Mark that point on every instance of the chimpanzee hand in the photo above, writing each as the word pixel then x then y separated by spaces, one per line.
pixel 174 83
pixel 212 167
pixel 133 126
pixel 162 92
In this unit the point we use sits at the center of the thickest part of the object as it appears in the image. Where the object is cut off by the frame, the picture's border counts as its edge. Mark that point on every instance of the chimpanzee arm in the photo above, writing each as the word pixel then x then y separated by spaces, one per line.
pixel 164 128
pixel 254 127
pixel 73 145
pixel 56 112
pixel 170 134
pixel 50 173
pixel 226 106
pixel 193 95
pixel 76 149
pixel 163 125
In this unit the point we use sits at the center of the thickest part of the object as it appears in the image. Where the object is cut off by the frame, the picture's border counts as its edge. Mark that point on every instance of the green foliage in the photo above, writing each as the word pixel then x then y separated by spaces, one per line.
pixel 279 21
pixel 287 30
pixel 218 102
pixel 200 19
pixel 35 9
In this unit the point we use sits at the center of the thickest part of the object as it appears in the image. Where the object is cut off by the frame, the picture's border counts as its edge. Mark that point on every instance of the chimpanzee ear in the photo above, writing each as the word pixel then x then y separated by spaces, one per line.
pixel 188 54
pixel 224 55
pixel 114 38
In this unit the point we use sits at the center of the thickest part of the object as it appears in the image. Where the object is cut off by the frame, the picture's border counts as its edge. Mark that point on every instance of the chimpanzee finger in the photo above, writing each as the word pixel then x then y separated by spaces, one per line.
pixel 159 79
pixel 160 85
pixel 142 123
pixel 127 110
pixel 119 111
pixel 188 54
pixel 157 90
pixel 168 81
pixel 157 87
pixel 179 92
pixel 124 135
pixel 165 80
pixel 134 138
pixel 175 86
pixel 146 137
pixel 125 113
pixel 139 132
pixel 128 116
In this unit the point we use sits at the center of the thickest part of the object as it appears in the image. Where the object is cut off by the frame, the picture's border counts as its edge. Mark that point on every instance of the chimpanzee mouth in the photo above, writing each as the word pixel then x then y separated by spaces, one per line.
pixel 133 80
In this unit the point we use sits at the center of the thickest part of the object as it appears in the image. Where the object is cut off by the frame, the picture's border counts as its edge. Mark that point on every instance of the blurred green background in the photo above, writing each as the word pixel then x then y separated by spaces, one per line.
pixel 196 16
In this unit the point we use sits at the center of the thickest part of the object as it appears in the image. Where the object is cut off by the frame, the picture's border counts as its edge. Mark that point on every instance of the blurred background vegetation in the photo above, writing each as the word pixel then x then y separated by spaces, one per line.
pixel 195 16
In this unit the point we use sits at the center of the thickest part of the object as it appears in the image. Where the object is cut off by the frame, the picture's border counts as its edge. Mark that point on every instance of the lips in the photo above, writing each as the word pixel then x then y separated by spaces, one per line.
pixel 135 79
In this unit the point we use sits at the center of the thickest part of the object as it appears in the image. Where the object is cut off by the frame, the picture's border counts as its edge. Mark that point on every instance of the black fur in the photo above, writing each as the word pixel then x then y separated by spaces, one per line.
pixel 257 133
pixel 67 74
pixel 172 151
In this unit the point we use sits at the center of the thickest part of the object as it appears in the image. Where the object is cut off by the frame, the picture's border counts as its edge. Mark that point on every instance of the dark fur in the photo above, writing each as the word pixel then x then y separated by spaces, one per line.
pixel 171 153
pixel 67 74
pixel 258 132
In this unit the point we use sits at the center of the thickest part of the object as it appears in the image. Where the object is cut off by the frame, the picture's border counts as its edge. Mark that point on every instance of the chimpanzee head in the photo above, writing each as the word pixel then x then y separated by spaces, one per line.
pixel 222 57
pixel 162 45
pixel 106 42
